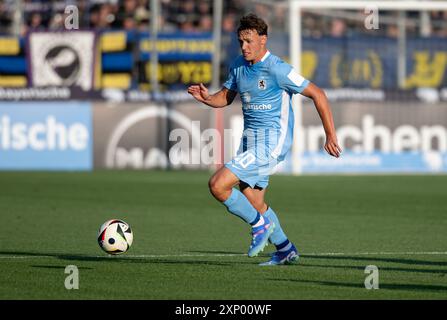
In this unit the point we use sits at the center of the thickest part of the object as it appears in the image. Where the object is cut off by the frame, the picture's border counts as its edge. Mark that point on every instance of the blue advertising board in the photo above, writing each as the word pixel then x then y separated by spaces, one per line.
pixel 375 162
pixel 46 136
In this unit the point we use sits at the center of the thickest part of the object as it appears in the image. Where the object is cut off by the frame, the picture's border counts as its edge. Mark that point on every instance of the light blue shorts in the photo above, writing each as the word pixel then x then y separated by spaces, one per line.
pixel 253 169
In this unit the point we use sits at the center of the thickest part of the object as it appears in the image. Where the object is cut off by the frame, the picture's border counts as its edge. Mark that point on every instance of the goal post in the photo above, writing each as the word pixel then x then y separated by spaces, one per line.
pixel 296 47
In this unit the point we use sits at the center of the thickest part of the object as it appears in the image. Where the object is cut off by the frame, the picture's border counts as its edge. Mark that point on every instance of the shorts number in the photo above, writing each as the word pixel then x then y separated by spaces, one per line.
pixel 245 159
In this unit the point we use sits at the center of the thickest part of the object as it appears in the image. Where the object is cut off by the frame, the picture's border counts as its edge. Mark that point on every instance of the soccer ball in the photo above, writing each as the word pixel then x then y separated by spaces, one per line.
pixel 115 236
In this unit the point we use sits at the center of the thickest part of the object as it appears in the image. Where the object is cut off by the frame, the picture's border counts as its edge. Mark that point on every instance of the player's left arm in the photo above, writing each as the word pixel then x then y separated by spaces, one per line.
pixel 324 110
pixel 289 80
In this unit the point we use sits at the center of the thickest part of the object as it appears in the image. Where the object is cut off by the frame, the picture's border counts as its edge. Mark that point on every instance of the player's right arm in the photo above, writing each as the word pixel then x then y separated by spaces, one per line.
pixel 220 99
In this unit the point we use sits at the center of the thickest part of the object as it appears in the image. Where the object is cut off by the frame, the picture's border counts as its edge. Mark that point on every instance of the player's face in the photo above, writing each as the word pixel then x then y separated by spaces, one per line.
pixel 252 45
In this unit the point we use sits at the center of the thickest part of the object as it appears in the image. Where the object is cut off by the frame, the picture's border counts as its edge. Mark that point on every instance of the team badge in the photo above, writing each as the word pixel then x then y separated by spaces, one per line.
pixel 262 84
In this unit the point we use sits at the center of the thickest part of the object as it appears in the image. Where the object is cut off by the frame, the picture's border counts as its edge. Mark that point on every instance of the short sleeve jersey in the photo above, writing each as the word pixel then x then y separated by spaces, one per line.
pixel 266 89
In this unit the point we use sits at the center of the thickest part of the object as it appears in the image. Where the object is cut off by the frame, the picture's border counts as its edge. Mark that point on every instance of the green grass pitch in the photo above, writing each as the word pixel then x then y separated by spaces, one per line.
pixel 187 246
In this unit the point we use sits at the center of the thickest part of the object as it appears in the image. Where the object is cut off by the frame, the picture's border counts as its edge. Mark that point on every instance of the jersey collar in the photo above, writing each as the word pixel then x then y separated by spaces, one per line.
pixel 265 56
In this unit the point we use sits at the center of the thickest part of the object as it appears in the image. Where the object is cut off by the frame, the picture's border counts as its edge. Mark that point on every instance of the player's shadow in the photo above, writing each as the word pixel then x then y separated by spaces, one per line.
pixel 389 286
pixel 370 259
pixel 57 267
pixel 213 252
pixel 61 256
pixel 119 259
pixel 436 271
pixel 195 262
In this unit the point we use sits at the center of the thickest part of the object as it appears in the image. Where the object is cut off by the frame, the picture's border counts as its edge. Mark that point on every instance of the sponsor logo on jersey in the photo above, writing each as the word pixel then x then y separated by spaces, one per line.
pixel 257 106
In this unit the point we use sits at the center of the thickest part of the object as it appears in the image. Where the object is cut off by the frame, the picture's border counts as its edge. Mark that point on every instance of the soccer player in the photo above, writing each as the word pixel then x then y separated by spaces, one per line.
pixel 265 84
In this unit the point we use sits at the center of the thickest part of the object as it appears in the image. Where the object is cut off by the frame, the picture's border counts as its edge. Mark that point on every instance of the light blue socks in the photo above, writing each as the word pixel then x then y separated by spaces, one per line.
pixel 239 205
pixel 278 236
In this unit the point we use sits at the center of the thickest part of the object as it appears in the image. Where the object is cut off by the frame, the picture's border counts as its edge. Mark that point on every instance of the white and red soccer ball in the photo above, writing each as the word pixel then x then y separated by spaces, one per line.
pixel 115 236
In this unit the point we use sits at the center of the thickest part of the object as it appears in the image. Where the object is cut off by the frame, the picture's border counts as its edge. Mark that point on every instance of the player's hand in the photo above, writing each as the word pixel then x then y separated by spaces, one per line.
pixel 199 92
pixel 331 146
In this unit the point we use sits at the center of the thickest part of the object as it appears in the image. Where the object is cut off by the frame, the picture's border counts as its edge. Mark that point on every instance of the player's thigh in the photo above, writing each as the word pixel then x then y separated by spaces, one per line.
pixel 223 179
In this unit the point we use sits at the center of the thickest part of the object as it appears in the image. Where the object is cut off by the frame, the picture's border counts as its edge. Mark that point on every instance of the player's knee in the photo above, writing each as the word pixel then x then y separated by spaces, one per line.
pixel 218 189
pixel 215 186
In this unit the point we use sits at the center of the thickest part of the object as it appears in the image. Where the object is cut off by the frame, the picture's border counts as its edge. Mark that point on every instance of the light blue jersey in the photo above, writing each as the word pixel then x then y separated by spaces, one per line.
pixel 266 89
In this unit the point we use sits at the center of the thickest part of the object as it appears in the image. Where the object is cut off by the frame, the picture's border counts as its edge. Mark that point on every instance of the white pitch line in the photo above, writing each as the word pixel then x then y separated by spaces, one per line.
pixel 122 256
pixel 408 253
pixel 411 253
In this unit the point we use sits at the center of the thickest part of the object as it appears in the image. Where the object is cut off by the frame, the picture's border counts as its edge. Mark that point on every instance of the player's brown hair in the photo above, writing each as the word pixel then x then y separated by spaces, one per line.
pixel 253 22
